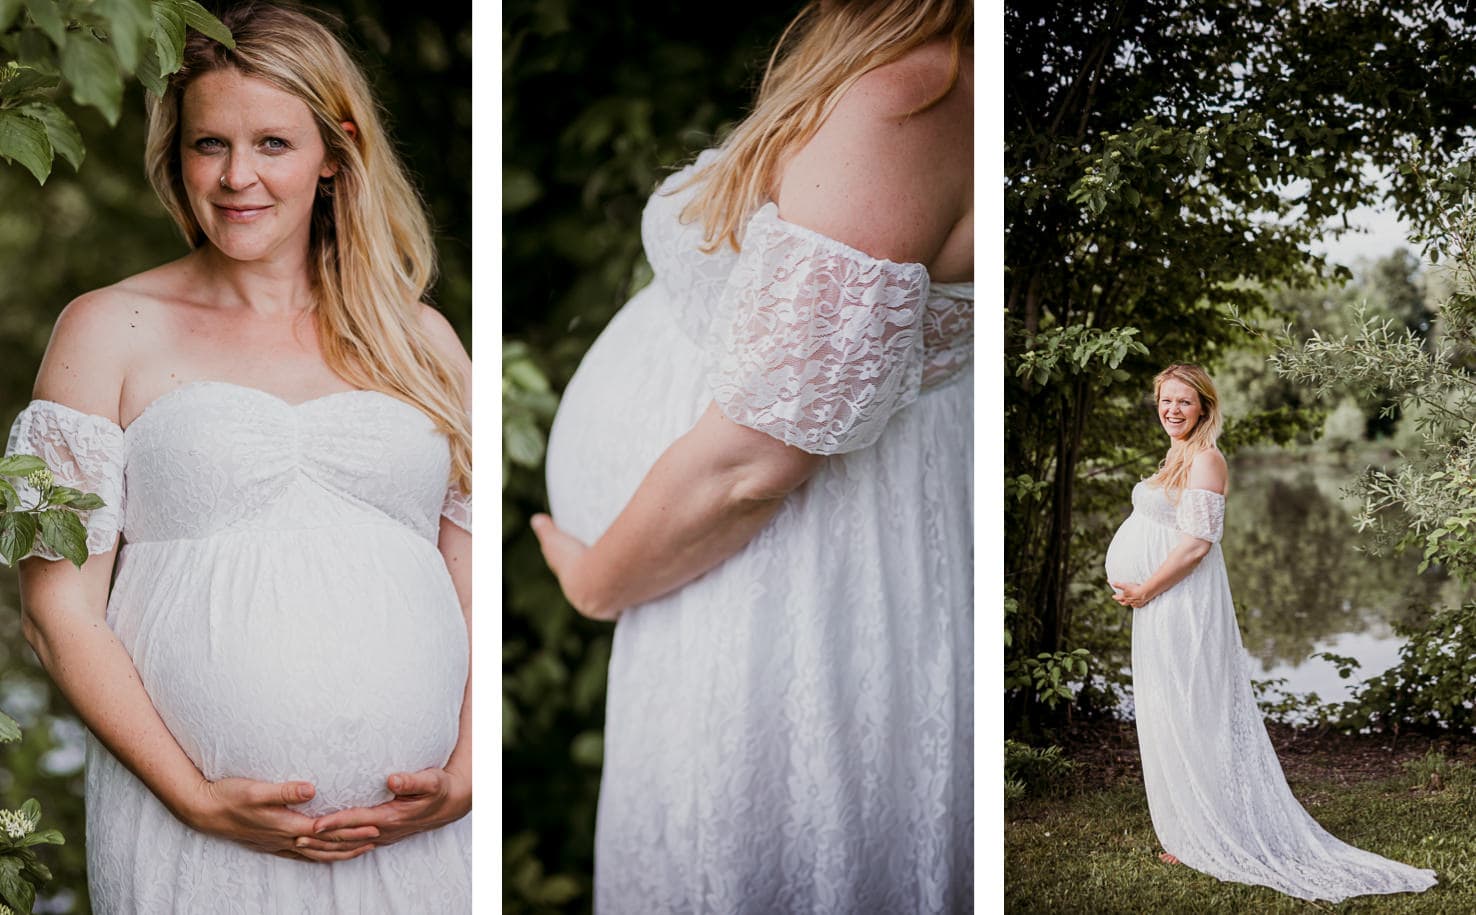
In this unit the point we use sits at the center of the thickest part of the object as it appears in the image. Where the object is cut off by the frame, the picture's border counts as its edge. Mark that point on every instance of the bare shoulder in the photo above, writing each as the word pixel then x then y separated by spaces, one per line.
pixel 97 337
pixel 1209 471
pixel 877 153
pixel 442 335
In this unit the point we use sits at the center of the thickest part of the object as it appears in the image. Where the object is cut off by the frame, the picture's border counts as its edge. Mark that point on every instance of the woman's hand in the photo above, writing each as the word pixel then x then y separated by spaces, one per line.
pixel 1130 594
pixel 259 815
pixel 424 800
pixel 564 555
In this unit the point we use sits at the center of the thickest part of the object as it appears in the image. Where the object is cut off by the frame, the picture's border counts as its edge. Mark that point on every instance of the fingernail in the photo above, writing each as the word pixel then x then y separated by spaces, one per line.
pixel 302 842
pixel 396 783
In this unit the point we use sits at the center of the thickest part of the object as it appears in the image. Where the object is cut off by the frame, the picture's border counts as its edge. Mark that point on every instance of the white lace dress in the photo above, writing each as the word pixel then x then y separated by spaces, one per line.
pixel 1216 792
pixel 792 731
pixel 282 597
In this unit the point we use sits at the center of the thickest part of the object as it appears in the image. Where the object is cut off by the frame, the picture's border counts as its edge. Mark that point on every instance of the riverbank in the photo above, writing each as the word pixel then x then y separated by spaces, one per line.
pixel 1093 851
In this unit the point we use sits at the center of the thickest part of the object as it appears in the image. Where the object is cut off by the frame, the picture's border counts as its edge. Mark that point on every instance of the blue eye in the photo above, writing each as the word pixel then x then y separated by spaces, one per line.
pixel 276 144
pixel 208 144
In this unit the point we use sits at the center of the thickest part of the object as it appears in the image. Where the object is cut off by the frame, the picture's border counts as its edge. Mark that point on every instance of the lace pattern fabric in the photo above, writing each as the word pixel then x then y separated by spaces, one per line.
pixel 1201 514
pixel 1216 792
pixel 457 508
pixel 818 344
pixel 273 552
pixel 84 452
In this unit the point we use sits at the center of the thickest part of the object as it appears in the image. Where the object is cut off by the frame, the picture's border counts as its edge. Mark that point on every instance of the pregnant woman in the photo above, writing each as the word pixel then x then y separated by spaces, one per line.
pixel 1218 798
pixel 276 687
pixel 763 468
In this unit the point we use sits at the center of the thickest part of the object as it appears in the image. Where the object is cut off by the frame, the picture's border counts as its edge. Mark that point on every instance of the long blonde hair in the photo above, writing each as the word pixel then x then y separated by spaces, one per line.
pixel 1173 472
pixel 821 54
pixel 371 249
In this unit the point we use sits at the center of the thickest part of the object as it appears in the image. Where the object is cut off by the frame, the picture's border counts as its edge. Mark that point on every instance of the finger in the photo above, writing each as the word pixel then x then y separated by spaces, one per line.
pixel 352 818
pixel 355 834
pixel 284 794
pixel 331 856
pixel 312 843
pixel 426 781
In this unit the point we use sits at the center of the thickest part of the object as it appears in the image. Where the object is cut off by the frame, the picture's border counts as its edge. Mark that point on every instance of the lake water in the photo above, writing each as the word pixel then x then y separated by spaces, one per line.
pixel 1302 585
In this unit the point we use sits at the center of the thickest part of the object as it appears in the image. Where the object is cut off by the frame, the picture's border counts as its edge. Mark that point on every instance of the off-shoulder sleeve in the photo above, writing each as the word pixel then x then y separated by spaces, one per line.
pixel 457 508
pixel 1201 513
pixel 815 342
pixel 85 452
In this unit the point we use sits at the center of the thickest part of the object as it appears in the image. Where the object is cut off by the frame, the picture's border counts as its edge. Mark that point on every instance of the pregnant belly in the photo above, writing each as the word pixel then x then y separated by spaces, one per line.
pixel 1127 554
pixel 639 387
pixel 336 656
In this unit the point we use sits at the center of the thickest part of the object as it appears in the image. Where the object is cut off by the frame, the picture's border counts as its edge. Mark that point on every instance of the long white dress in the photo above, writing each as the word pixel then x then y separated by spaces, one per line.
pixel 792 731
pixel 1216 792
pixel 282 597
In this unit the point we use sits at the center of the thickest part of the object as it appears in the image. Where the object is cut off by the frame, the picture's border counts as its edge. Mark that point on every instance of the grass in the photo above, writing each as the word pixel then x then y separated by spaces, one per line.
pixel 1094 852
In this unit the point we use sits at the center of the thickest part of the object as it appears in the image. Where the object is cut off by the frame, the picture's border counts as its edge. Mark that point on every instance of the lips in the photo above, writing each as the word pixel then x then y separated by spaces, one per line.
pixel 236 212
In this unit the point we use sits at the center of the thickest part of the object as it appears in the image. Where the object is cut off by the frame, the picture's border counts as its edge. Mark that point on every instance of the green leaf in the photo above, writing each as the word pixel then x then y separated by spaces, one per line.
pixel 588 749
pixel 37 870
pixel 130 23
pixel 65 138
pixel 62 532
pixel 87 502
pixel 19 465
pixel 15 890
pixel 520 188
pixel 523 443
pixel 199 19
pixel 20 82
pixel 31 809
pixel 44 837
pixel 150 74
pixel 9 498
pixel 17 536
pixel 92 69
pixel 23 139
pixel 9 9
pixel 10 730
pixel 49 18
pixel 169 37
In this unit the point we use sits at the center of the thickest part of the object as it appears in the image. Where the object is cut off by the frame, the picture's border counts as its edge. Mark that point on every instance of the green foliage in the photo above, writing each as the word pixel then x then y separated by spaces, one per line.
pixel 1127 206
pixel 21 870
pixel 1035 772
pixel 1430 689
pixel 1049 676
pixel 90 48
pixel 54 514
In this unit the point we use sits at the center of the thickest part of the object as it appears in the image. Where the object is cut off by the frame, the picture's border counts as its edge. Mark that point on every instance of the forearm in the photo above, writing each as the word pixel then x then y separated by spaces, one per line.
pixel 706 497
pixel 93 670
pixel 1180 561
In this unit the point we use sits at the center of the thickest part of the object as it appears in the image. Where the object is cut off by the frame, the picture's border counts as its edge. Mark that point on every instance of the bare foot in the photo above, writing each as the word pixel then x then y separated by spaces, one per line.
pixel 1167 858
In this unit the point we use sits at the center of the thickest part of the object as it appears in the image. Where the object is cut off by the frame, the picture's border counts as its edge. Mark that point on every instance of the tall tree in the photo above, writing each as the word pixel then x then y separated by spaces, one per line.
pixel 1165 160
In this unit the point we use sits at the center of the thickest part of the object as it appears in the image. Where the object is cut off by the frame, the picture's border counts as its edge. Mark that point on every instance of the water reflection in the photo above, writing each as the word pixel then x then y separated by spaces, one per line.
pixel 1302 585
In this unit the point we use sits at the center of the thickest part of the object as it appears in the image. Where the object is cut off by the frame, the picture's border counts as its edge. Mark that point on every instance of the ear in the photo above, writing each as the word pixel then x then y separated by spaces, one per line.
pixel 350 128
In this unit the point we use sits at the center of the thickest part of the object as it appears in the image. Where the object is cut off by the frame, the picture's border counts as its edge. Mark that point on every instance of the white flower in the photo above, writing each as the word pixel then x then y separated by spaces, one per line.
pixel 41 479
pixel 17 825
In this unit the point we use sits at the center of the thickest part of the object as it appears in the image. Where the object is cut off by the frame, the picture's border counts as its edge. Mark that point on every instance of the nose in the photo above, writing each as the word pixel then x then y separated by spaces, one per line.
pixel 239 173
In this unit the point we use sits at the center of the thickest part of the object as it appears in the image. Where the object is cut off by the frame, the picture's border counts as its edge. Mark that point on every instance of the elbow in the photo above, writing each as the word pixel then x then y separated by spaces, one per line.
pixel 770 477
pixel 1198 549
pixel 35 636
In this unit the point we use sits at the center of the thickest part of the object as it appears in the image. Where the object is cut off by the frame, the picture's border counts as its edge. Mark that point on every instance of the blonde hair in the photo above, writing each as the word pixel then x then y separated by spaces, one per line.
pixel 371 248
pixel 821 54
pixel 1173 472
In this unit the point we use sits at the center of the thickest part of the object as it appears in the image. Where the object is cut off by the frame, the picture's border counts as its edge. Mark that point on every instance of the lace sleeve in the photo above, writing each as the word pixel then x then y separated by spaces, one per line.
pixel 457 508
pixel 815 343
pixel 84 452
pixel 1201 514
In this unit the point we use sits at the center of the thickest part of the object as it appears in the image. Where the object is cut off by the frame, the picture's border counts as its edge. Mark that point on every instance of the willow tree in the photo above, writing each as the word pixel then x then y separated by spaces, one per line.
pixel 1165 160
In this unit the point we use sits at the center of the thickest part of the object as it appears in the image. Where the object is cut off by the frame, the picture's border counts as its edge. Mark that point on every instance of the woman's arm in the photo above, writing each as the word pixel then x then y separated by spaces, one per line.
pixel 63 619
pixel 708 494
pixel 876 176
pixel 1208 472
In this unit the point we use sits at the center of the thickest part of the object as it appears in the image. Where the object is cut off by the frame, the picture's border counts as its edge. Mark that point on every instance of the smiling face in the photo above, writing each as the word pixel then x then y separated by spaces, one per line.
pixel 1179 409
pixel 251 158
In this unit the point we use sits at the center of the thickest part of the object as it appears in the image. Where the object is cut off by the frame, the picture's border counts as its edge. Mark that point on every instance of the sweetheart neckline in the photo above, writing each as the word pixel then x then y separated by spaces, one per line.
pixel 228 385
pixel 281 401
